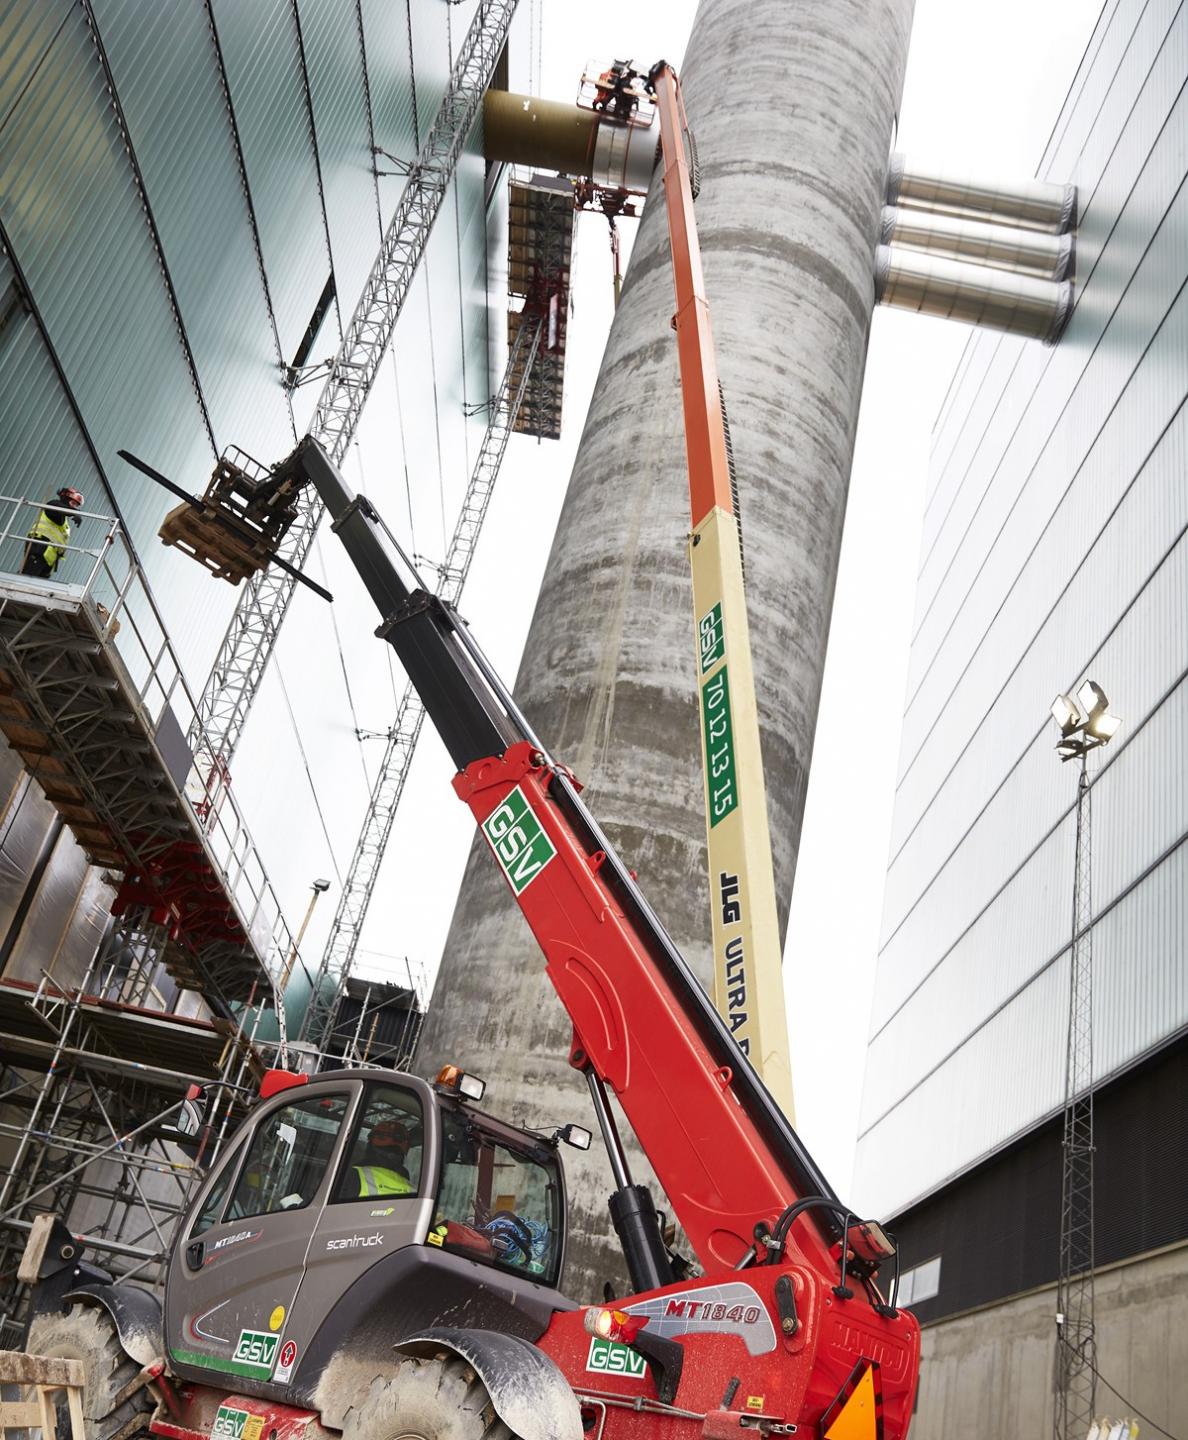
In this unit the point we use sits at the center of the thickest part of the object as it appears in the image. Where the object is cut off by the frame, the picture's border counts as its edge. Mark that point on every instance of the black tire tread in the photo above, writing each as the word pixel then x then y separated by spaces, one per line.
pixel 88 1333
pixel 439 1398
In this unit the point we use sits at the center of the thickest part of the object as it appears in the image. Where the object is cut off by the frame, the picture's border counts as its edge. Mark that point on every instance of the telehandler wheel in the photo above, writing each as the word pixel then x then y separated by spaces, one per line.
pixel 426 1399
pixel 89 1334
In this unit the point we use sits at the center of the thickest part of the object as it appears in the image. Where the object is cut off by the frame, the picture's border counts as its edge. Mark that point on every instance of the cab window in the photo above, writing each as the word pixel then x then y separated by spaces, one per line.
pixel 213 1208
pixel 498 1203
pixel 385 1155
pixel 288 1157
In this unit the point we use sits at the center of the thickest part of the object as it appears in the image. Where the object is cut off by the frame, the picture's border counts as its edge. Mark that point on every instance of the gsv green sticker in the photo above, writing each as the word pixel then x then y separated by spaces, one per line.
pixel 256 1351
pixel 518 840
pixel 608 1357
pixel 228 1423
pixel 712 638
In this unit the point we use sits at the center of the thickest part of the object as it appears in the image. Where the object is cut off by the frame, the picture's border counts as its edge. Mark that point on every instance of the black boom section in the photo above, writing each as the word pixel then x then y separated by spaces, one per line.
pixel 416 624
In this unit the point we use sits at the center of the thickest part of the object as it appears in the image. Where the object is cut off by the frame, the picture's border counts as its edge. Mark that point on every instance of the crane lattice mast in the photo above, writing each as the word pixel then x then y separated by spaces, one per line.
pixel 247 647
pixel 402 736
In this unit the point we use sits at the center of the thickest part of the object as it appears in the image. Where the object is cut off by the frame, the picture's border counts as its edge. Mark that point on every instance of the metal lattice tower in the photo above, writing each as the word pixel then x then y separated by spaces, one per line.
pixel 402 737
pixel 1076 1339
pixel 251 636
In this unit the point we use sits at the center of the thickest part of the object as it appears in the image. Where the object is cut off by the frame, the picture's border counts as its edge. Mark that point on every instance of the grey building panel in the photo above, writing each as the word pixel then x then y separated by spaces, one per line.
pixel 445 306
pixel 167 76
pixel 73 217
pixel 431 59
pixel 262 61
pixel 26 34
pixel 1111 169
pixel 1104 149
pixel 1056 545
pixel 389 67
pixel 334 63
pixel 936 729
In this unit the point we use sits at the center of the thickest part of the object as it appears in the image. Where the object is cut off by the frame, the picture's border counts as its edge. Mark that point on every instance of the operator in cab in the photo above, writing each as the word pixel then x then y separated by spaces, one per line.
pixel 382 1170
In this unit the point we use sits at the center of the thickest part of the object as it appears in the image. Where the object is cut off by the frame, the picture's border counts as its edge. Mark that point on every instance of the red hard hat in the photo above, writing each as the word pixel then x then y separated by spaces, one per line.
pixel 389 1134
pixel 70 497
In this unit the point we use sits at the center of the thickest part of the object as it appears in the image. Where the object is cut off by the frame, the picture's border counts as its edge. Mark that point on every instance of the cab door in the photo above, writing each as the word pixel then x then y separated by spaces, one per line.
pixel 238 1264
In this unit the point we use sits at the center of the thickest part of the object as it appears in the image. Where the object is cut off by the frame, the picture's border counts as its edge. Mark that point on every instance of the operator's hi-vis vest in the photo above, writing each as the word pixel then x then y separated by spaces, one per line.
pixel 378 1180
pixel 57 534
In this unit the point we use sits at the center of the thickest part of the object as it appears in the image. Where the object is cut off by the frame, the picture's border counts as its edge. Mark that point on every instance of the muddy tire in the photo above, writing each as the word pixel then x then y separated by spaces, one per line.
pixel 426 1399
pixel 89 1334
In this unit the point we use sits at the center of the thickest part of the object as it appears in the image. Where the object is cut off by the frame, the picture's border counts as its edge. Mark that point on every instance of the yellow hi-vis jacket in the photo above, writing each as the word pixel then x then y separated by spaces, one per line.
pixel 57 534
pixel 379 1180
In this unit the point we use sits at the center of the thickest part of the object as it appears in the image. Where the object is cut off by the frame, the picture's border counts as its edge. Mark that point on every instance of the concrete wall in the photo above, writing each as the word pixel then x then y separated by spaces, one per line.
pixel 792 105
pixel 990 1372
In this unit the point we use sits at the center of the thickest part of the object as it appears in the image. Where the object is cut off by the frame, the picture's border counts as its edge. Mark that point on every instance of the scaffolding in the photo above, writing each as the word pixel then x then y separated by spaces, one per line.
pixel 93 700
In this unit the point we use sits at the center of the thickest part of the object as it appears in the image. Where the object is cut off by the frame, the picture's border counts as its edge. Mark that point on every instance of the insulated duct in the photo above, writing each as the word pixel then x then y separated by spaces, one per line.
pixel 974 294
pixel 1027 204
pixel 549 135
pixel 1004 247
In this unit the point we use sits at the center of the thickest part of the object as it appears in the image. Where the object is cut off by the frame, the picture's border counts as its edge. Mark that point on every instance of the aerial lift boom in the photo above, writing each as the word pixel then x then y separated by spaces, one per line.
pixel 748 982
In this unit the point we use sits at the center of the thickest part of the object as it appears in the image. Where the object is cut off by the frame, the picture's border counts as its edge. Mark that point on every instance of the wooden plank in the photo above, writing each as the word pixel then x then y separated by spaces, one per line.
pixel 20 1369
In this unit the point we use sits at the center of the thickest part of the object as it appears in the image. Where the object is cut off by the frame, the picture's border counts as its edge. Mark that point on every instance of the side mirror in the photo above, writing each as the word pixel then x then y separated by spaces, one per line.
pixel 576 1136
pixel 192 1113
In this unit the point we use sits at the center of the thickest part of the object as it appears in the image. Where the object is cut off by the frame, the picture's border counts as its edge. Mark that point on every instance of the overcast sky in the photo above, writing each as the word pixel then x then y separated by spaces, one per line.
pixel 983 89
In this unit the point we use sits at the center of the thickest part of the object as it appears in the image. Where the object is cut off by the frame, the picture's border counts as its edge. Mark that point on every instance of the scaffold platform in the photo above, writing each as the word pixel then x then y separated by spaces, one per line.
pixel 94 701
pixel 540 249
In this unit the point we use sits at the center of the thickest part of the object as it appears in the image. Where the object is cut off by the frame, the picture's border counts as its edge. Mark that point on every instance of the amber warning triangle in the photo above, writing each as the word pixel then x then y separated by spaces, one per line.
pixel 857 1412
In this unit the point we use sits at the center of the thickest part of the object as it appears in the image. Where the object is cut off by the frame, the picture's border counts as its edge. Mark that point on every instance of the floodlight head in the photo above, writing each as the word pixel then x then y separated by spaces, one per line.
pixel 321 886
pixel 1070 749
pixel 1065 714
pixel 1093 699
pixel 1103 727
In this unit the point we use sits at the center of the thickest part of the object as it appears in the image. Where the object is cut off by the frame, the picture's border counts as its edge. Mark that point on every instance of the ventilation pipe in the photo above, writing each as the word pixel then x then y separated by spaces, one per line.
pixel 549 135
pixel 974 294
pixel 1028 204
pixel 1004 247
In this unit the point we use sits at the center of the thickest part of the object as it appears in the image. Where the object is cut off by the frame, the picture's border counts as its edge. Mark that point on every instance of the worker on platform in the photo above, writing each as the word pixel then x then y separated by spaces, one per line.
pixel 50 535
pixel 383 1170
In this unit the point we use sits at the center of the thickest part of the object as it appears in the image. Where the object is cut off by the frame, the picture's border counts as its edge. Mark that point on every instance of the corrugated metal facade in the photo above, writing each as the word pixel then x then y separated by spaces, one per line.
pixel 1054 548
pixel 175 231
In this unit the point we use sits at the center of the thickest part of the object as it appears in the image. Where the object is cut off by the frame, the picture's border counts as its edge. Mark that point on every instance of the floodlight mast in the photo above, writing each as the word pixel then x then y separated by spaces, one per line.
pixel 1085 724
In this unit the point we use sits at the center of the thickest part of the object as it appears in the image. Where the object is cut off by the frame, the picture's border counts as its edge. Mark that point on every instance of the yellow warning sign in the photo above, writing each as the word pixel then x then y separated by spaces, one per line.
pixel 754 1402
pixel 856 1415
pixel 252 1427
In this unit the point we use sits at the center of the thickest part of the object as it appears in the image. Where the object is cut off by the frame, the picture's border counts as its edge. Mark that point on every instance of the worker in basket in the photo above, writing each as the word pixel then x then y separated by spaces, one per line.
pixel 383 1170
pixel 47 541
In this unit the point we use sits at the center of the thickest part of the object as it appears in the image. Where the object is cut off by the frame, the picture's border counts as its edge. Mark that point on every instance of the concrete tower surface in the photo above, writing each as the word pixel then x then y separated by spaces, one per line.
pixel 792 103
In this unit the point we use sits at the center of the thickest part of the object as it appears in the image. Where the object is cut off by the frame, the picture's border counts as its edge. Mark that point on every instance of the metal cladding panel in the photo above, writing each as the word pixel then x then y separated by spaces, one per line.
pixel 26 33
pixel 262 60
pixel 388 43
pixel 448 352
pixel 1010 1075
pixel 167 76
pixel 429 21
pixel 1130 256
pixel 74 219
pixel 1055 613
pixel 334 63
pixel 995 878
pixel 470 197
pixel 1056 546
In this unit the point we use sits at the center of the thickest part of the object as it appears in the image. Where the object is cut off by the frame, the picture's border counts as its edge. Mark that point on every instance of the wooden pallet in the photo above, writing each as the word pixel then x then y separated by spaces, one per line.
pixel 209 537
pixel 41 1380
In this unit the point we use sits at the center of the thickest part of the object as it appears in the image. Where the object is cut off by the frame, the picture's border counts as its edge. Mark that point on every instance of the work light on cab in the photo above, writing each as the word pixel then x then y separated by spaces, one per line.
pixel 456 1082
pixel 613 1324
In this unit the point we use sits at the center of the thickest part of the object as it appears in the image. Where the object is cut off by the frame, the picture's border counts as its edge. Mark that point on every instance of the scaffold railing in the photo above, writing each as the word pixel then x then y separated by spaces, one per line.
pixel 94 699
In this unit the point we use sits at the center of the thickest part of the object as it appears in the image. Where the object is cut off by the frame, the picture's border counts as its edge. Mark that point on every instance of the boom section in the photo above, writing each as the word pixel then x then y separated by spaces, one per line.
pixel 748 961
pixel 721 1147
